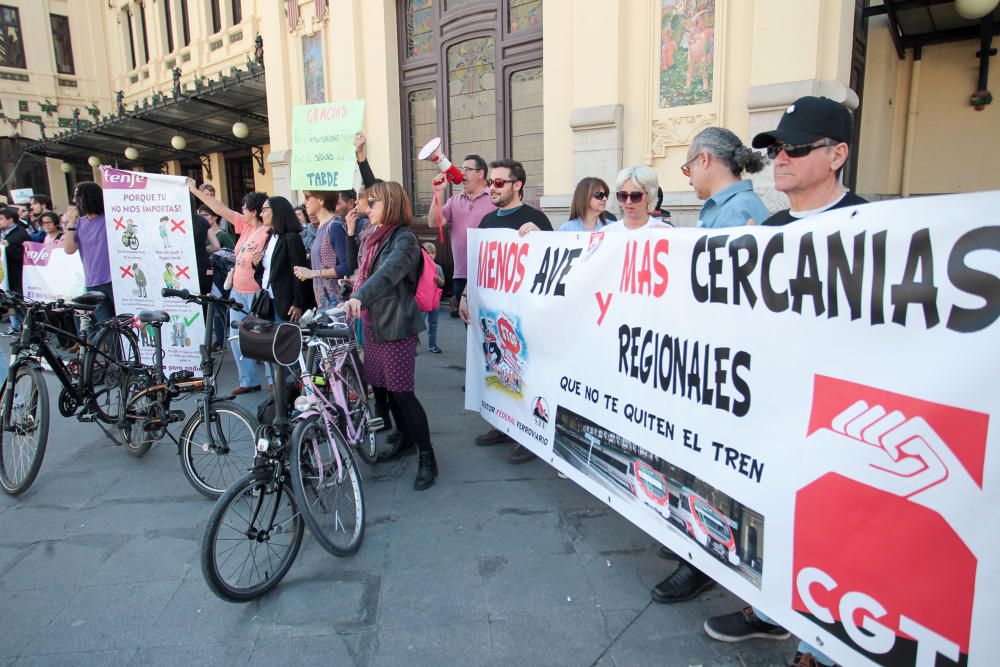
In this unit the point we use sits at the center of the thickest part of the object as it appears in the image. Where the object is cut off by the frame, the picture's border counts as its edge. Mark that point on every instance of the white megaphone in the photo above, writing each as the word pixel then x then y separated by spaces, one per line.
pixel 432 151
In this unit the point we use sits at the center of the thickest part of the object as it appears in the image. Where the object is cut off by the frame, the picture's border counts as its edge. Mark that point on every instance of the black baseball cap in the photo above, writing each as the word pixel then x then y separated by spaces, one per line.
pixel 809 119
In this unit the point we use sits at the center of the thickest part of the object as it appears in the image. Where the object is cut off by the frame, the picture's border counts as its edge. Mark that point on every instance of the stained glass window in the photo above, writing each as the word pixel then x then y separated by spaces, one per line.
pixel 419 17
pixel 423 128
pixel 524 14
pixel 472 98
pixel 526 122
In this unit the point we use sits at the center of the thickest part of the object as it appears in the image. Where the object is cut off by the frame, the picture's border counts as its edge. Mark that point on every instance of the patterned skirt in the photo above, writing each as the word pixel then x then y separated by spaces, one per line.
pixel 389 364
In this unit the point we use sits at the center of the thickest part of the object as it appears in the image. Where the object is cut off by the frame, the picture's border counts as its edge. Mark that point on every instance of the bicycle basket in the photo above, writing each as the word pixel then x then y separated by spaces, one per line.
pixel 276 342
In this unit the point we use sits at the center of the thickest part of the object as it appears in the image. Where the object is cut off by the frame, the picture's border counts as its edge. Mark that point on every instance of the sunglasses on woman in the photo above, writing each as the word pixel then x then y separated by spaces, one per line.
pixel 796 150
pixel 601 195
pixel 371 202
pixel 634 197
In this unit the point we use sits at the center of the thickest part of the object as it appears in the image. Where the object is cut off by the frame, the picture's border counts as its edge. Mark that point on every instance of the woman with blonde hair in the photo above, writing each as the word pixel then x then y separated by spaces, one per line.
pixel 389 267
pixel 587 209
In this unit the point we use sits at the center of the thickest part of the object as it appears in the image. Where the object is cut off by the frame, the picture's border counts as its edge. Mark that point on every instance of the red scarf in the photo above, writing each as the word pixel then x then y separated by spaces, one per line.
pixel 369 250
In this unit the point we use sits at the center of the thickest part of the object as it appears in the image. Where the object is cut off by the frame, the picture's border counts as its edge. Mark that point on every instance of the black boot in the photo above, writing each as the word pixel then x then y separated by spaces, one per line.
pixel 426 472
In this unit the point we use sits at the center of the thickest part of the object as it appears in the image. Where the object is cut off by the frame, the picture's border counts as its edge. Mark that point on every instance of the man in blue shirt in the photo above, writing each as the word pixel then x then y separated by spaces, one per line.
pixel 715 163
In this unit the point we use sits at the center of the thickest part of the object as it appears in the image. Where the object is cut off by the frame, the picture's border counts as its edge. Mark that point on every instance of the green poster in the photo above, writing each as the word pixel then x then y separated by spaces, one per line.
pixel 323 144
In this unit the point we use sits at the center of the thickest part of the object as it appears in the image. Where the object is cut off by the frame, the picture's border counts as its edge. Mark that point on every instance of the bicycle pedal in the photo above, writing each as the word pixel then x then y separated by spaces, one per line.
pixel 375 423
pixel 87 418
pixel 181 376
pixel 175 416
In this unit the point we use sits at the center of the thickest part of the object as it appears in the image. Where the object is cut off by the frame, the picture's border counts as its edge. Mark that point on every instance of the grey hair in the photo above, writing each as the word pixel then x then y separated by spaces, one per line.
pixel 726 146
pixel 645 177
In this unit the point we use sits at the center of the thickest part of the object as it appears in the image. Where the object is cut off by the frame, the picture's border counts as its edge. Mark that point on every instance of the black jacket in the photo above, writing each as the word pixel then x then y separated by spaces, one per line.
pixel 15 257
pixel 392 283
pixel 288 290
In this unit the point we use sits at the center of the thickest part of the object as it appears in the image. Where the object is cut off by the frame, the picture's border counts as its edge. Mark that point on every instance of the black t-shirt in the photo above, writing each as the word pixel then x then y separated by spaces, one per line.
pixel 784 217
pixel 514 220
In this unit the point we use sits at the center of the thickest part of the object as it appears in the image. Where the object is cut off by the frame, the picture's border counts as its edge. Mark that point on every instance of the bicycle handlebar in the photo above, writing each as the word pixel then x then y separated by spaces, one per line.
pixel 184 294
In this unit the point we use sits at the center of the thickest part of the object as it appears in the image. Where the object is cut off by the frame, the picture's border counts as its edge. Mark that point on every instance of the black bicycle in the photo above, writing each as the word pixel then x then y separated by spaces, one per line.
pixel 256 527
pixel 91 380
pixel 216 445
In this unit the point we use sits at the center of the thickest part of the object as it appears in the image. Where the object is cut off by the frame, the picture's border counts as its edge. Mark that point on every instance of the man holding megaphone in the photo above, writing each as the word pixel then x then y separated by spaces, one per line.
pixel 463 211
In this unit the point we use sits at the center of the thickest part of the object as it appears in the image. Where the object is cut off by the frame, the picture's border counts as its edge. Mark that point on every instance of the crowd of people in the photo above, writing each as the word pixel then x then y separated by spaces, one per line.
pixel 304 256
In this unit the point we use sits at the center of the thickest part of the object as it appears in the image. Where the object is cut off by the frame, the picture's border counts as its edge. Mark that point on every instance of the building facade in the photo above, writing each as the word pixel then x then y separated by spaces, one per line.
pixel 569 87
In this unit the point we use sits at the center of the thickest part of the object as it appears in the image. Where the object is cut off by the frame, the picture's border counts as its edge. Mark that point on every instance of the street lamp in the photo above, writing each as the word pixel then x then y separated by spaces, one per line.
pixel 975 9
pixel 131 153
pixel 240 130
pixel 94 161
pixel 178 142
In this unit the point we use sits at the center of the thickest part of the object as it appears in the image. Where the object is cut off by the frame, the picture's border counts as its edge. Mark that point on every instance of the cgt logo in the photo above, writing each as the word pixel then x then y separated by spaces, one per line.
pixel 884 548
pixel 116 179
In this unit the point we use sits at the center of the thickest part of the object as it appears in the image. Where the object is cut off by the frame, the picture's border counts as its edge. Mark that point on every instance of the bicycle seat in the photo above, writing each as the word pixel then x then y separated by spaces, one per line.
pixel 90 299
pixel 148 316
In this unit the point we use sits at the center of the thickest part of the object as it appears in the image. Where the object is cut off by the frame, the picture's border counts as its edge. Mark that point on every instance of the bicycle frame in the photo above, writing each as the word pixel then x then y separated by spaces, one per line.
pixel 321 406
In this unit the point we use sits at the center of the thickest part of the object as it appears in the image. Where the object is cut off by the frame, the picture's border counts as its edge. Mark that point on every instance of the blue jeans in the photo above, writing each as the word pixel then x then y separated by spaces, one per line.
pixel 107 308
pixel 432 327
pixel 803 647
pixel 249 377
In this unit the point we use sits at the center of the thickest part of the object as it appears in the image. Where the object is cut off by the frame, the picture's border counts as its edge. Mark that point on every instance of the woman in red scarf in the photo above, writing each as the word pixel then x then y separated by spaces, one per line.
pixel 388 270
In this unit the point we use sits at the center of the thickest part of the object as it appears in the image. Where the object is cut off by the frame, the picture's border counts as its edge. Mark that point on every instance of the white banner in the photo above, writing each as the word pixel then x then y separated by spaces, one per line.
pixel 833 381
pixel 151 246
pixel 50 274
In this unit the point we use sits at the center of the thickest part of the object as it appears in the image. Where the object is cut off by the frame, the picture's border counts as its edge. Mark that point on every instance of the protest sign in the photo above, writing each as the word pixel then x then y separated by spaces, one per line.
pixel 151 246
pixel 3 269
pixel 50 274
pixel 323 144
pixel 21 195
pixel 802 412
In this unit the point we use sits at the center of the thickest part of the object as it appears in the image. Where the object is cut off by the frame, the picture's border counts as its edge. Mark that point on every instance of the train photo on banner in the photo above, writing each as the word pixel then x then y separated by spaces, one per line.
pixel 699 512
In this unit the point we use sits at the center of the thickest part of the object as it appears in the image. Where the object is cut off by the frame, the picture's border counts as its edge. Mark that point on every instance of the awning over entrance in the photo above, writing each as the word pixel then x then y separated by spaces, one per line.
pixel 203 112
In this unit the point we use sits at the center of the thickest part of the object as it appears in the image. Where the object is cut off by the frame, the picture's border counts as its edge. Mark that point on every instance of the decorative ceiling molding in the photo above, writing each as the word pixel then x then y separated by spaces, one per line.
pixel 678 131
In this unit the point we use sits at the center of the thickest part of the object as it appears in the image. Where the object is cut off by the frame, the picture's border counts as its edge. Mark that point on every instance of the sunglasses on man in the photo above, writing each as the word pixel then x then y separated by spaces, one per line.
pixel 498 183
pixel 634 197
pixel 797 150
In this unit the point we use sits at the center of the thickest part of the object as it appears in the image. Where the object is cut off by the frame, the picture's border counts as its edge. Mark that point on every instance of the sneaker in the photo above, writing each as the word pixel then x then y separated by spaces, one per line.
pixel 742 625
pixel 10 331
pixel 239 391
pixel 434 348
pixel 807 660
pixel 492 437
pixel 521 454
pixel 686 583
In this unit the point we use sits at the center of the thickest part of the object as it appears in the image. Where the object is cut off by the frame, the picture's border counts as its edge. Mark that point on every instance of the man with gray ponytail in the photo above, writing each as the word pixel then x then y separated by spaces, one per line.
pixel 715 164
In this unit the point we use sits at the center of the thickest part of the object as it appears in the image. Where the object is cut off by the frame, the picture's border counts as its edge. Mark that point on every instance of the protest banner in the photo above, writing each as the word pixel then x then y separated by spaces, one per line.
pixel 151 246
pixel 802 412
pixel 50 274
pixel 21 195
pixel 3 269
pixel 323 144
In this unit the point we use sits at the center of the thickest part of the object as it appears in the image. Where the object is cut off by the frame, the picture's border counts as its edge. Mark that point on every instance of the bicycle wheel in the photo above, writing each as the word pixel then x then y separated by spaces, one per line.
pixel 358 409
pixel 137 413
pixel 23 445
pixel 251 540
pixel 106 375
pixel 332 504
pixel 212 468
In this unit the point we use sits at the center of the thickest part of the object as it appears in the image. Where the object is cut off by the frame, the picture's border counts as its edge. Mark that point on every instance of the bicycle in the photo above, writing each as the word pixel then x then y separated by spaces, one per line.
pixel 129 238
pixel 255 531
pixel 342 371
pixel 91 380
pixel 217 443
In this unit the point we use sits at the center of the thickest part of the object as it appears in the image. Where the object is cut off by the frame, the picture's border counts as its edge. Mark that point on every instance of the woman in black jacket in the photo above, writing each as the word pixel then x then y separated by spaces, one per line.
pixel 283 251
pixel 388 270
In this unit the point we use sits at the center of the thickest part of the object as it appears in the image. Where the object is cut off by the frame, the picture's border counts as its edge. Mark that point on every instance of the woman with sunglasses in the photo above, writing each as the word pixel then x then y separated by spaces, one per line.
pixel 283 253
pixel 388 270
pixel 586 211
pixel 715 162
pixel 636 192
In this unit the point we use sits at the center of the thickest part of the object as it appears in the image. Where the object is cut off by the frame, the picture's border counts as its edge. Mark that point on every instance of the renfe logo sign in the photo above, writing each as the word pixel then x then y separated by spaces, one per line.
pixel 36 254
pixel 881 553
pixel 116 179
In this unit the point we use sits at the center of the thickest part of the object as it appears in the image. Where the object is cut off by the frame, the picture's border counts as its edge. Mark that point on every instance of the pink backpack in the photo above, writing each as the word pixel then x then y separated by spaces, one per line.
pixel 428 296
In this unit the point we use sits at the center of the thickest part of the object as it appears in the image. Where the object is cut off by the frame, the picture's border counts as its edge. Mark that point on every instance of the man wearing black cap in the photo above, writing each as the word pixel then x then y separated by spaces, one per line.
pixel 809 150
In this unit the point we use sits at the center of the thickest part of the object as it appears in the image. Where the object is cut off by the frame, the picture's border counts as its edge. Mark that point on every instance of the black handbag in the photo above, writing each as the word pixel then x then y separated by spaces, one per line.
pixel 274 342
pixel 262 305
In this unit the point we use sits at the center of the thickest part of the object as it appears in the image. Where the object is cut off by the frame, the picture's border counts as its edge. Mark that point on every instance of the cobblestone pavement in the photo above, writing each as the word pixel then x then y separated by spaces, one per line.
pixel 494 565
